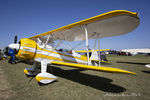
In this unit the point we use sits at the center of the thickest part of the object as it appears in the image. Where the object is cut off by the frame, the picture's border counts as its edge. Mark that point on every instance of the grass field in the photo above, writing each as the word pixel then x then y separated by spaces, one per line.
pixel 79 84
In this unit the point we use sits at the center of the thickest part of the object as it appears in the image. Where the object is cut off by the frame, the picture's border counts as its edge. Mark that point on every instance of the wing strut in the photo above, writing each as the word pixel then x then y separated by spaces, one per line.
pixel 47 41
pixel 99 55
pixel 93 50
pixel 87 45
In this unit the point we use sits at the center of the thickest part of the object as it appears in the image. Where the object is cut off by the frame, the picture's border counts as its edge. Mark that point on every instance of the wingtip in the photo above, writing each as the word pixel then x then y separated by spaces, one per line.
pixel 128 72
pixel 132 73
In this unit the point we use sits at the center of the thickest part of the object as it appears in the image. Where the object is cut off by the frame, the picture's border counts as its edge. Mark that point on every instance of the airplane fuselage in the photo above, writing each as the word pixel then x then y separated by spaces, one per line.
pixel 30 50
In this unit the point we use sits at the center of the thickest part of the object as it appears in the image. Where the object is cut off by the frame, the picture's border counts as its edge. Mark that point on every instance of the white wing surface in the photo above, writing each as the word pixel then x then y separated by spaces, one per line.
pixel 112 23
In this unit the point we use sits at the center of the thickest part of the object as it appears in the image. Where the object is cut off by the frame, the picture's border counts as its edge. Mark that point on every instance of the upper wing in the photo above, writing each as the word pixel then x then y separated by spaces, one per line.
pixel 112 23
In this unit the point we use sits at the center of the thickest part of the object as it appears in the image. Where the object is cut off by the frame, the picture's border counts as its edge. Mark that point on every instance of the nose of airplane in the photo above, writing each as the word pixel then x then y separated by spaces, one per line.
pixel 14 46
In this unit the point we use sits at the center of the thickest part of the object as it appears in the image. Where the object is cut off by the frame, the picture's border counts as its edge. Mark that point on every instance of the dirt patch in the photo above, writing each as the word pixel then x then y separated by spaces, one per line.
pixel 5 89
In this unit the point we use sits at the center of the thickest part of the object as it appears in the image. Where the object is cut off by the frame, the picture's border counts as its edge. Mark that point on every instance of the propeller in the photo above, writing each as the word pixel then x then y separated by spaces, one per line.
pixel 15 39
pixel 15 46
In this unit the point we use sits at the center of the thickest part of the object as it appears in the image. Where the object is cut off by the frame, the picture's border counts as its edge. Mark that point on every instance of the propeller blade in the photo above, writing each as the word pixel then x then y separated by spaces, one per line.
pixel 15 39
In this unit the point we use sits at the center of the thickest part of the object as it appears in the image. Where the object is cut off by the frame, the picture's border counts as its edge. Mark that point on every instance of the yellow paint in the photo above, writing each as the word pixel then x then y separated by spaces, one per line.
pixel 82 57
pixel 90 20
pixel 100 68
pixel 28 42
pixel 25 55
pixel 43 78
pixel 25 71
pixel 52 58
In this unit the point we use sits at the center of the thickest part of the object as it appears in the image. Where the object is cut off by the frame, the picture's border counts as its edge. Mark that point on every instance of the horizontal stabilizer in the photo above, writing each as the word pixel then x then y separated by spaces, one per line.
pixel 100 68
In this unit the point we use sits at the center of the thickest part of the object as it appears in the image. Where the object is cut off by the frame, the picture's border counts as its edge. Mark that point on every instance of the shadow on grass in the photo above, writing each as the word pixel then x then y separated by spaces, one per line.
pixel 131 62
pixel 148 72
pixel 26 62
pixel 97 82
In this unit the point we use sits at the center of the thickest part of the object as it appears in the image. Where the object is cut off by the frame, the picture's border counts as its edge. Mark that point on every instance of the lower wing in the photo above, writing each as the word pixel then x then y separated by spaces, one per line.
pixel 99 68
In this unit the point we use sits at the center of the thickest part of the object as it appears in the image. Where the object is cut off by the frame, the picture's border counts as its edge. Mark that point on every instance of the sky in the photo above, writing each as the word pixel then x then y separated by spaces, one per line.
pixel 26 18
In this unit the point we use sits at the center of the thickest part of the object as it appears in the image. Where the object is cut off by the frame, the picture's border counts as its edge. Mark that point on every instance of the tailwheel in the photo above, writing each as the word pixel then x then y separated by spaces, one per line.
pixel 45 78
pixel 29 72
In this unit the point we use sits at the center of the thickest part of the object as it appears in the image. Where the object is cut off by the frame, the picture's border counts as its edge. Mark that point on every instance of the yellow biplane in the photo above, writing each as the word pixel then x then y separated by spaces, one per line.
pixel 38 47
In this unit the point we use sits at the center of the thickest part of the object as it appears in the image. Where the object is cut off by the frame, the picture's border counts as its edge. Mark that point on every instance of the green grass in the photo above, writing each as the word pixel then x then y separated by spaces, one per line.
pixel 79 84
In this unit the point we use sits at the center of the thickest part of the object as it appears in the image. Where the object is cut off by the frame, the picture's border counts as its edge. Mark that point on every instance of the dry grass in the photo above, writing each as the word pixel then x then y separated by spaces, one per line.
pixel 5 89
pixel 79 84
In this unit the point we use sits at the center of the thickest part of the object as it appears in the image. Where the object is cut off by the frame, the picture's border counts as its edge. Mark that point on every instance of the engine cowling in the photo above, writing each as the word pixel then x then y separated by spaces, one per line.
pixel 27 49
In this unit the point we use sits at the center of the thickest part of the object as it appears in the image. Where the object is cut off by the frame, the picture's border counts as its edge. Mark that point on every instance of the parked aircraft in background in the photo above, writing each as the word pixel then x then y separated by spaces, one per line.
pixel 137 51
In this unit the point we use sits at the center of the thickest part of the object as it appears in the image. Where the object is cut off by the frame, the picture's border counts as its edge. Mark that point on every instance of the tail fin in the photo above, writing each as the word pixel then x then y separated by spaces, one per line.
pixel 94 56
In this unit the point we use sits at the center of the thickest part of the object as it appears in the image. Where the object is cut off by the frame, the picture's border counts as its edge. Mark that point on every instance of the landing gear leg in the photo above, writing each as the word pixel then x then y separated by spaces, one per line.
pixel 44 77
